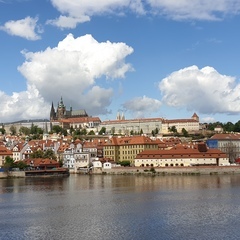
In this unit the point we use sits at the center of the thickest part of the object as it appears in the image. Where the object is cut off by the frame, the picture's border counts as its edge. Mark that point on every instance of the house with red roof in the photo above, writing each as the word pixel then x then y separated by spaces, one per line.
pixel 4 152
pixel 182 155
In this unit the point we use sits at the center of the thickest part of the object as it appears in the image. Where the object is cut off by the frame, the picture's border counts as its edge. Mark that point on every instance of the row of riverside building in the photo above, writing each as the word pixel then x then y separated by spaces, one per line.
pixel 140 149
pixel 107 152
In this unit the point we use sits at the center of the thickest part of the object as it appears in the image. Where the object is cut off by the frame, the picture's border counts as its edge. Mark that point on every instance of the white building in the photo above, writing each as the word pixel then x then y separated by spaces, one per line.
pixel 184 155
pixel 147 125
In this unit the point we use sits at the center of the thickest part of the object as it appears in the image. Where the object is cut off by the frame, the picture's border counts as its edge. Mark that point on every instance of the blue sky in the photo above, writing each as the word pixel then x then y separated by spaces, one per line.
pixel 143 58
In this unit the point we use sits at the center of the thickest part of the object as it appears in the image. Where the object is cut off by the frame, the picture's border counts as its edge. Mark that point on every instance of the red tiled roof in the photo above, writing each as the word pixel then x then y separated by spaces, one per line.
pixel 181 152
pixel 5 152
pixel 226 136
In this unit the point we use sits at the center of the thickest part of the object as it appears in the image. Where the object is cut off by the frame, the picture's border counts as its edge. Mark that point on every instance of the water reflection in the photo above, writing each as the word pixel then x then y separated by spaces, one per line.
pixel 120 207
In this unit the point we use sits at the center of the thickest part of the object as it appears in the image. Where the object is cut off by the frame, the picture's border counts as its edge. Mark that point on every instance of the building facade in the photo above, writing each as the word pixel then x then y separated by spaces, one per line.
pixel 226 142
pixel 148 125
pixel 62 113
pixel 127 148
pixel 182 156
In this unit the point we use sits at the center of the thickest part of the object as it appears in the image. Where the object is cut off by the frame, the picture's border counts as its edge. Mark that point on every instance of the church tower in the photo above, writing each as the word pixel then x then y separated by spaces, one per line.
pixel 52 113
pixel 61 110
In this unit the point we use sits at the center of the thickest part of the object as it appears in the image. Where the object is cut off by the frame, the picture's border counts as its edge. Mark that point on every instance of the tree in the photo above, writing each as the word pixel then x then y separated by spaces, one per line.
pixel 91 132
pixel 49 153
pixel 56 129
pixel 24 130
pixel 228 127
pixel 172 129
pixel 8 164
pixel 37 154
pixel 21 165
pixel 2 130
pixel 13 130
pixel 102 131
pixel 237 126
pixel 185 132
pixel 125 163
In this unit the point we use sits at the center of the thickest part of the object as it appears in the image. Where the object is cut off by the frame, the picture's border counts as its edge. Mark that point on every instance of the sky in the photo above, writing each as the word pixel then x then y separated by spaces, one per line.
pixel 141 58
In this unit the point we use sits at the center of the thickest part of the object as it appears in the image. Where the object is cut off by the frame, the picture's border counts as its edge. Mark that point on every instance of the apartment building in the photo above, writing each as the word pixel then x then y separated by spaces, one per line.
pixel 226 142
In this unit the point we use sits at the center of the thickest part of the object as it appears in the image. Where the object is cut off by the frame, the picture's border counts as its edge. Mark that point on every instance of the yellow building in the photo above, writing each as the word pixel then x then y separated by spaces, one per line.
pixel 127 148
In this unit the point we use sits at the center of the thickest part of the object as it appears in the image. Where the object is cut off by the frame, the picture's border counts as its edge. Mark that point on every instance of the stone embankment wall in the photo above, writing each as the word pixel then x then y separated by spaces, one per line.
pixel 210 170
pixel 16 174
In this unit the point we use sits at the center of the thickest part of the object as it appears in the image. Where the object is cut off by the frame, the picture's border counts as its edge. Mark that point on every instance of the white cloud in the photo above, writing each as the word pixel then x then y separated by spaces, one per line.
pixel 23 105
pixel 194 9
pixel 142 106
pixel 202 90
pixel 75 11
pixel 73 69
pixel 80 11
pixel 208 120
pixel 25 28
pixel 68 22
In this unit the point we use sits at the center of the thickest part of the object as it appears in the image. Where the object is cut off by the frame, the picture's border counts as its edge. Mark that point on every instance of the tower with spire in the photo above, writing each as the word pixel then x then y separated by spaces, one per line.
pixel 62 113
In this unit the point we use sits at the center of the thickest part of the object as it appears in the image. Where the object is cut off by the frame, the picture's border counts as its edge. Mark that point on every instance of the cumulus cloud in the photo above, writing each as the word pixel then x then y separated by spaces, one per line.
pixel 25 28
pixel 203 90
pixel 142 106
pixel 23 105
pixel 81 11
pixel 195 10
pixel 75 11
pixel 73 68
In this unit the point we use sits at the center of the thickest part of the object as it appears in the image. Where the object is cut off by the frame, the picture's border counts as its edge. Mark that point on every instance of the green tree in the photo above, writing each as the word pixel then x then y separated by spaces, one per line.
pixel 49 153
pixel 24 130
pixel 21 165
pixel 91 132
pixel 124 163
pixel 228 127
pixel 83 131
pixel 57 129
pixel 185 132
pixel 102 131
pixel 237 126
pixel 172 129
pixel 37 154
pixel 8 164
pixel 2 130
pixel 13 130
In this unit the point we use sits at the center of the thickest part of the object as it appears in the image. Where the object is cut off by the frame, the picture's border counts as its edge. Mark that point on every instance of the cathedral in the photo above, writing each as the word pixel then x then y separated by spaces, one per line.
pixel 62 113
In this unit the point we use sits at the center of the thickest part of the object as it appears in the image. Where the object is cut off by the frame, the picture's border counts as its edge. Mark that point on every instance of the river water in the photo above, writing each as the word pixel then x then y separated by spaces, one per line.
pixel 120 207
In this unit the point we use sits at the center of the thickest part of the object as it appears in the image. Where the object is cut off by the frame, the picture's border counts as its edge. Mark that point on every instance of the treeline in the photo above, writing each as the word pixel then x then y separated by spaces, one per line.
pixel 227 127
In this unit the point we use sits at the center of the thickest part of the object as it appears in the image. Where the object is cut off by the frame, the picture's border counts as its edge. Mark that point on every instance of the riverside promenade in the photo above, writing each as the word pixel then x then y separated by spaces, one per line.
pixel 198 170
pixel 157 171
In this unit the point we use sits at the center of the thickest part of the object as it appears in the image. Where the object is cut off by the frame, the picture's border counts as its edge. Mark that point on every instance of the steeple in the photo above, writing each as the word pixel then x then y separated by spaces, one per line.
pixel 52 112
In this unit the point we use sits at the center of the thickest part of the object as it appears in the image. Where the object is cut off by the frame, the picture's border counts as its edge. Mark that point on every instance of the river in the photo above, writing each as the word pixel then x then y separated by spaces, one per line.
pixel 120 207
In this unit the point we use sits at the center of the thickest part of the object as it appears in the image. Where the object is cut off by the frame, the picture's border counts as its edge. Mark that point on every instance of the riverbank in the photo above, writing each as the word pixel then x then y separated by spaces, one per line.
pixel 158 171
pixel 199 170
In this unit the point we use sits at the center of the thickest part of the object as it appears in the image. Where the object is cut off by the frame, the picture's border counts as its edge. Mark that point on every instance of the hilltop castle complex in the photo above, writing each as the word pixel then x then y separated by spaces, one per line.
pixel 79 119
pixel 63 113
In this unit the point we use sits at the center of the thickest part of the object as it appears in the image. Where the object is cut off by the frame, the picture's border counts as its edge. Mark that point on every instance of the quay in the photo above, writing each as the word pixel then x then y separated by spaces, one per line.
pixel 48 173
